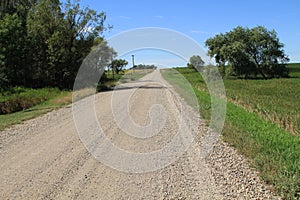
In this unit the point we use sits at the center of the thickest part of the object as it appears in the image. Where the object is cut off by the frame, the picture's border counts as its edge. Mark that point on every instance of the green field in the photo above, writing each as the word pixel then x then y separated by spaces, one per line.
pixel 271 146
pixel 276 100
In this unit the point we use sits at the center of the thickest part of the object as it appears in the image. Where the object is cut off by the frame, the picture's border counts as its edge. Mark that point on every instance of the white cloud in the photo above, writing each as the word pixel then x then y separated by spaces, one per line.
pixel 159 16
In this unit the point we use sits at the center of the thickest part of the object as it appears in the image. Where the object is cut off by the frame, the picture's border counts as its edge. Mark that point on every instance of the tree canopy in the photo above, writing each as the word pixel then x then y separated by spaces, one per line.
pixel 249 52
pixel 118 65
pixel 43 43
pixel 196 62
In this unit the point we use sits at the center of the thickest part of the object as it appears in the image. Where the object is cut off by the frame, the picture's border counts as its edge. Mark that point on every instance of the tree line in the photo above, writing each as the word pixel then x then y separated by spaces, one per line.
pixel 43 43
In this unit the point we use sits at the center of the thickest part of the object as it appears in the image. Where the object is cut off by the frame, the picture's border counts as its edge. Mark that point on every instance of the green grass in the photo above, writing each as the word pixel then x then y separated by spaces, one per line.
pixel 273 151
pixel 54 99
pixel 294 69
pixel 275 100
pixel 181 85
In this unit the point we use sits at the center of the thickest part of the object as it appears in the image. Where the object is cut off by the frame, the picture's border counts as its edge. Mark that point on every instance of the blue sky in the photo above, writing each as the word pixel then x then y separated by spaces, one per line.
pixel 202 19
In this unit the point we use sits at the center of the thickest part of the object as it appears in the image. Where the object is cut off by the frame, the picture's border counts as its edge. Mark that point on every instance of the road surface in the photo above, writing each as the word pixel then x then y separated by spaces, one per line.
pixel 44 158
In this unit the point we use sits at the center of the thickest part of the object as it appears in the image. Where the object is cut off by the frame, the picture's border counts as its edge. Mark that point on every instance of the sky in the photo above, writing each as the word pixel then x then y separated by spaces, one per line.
pixel 200 20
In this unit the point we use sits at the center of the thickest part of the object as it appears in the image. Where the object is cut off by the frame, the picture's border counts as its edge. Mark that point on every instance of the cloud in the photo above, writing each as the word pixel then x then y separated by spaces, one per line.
pixel 125 17
pixel 159 16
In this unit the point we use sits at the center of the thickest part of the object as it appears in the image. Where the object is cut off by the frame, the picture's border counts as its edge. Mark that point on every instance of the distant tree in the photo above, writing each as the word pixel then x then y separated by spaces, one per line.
pixel 196 62
pixel 249 52
pixel 118 65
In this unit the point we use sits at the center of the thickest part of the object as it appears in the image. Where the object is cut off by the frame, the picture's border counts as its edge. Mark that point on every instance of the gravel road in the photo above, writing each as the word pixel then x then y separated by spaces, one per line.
pixel 44 158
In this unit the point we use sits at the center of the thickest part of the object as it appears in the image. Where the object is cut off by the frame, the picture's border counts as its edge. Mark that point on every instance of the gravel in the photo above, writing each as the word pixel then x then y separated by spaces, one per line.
pixel 43 158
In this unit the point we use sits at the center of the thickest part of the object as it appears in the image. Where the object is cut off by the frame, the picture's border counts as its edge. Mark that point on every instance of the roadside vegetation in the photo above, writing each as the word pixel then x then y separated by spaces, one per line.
pixel 262 123
pixel 30 103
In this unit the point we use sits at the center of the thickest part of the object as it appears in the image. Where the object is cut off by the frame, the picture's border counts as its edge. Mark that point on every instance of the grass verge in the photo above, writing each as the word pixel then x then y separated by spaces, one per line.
pixel 55 99
pixel 273 151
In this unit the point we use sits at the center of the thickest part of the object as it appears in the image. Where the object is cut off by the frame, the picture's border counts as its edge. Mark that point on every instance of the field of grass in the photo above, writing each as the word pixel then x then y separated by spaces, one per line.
pixel 276 100
pixel 294 69
pixel 272 150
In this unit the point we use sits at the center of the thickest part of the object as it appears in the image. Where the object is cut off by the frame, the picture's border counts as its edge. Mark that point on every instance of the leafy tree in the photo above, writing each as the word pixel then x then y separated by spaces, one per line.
pixel 196 62
pixel 44 27
pixel 13 48
pixel 249 52
pixel 118 65
pixel 43 43
pixel 61 38
pixel 7 7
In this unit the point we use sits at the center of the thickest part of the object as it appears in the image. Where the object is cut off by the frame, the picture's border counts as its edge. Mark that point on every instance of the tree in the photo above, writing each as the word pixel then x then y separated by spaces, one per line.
pixel 62 36
pixel 43 42
pixel 117 65
pixel 12 48
pixel 196 62
pixel 249 52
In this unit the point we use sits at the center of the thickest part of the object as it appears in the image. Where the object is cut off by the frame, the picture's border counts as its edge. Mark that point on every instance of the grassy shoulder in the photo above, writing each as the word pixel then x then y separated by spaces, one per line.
pixel 272 150
pixel 54 99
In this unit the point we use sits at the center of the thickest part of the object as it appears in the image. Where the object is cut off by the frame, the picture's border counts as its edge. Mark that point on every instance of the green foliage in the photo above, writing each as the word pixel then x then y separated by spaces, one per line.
pixel 43 43
pixel 250 52
pixel 56 99
pixel 117 65
pixel 18 99
pixel 294 69
pixel 274 152
pixel 12 48
pixel 196 62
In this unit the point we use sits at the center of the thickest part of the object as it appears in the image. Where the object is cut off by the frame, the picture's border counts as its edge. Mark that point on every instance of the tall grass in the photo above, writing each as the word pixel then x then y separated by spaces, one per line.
pixel 48 99
pixel 17 99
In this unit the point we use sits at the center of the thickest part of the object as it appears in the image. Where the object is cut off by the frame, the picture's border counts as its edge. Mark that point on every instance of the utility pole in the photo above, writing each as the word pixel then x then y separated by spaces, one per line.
pixel 132 60
pixel 132 63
